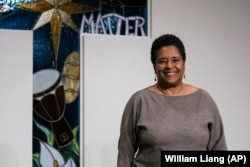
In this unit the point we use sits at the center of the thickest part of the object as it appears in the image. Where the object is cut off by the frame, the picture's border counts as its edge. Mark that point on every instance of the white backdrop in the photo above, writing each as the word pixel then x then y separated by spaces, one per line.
pixel 217 39
pixel 113 69
pixel 16 98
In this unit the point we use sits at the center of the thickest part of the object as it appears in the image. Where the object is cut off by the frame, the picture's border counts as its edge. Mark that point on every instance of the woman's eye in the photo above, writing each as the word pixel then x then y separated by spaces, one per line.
pixel 162 61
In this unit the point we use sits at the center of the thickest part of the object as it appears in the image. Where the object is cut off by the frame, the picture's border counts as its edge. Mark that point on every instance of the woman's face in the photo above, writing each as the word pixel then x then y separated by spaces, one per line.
pixel 169 66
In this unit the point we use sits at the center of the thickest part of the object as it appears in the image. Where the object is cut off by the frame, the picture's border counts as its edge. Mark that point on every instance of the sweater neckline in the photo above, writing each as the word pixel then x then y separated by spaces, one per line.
pixel 175 97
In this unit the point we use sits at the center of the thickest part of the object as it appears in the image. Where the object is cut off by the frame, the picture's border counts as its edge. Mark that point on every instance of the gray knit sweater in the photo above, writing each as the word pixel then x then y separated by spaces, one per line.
pixel 152 123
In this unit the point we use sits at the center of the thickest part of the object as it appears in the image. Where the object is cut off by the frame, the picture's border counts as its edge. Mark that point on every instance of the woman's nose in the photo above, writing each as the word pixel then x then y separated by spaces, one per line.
pixel 169 64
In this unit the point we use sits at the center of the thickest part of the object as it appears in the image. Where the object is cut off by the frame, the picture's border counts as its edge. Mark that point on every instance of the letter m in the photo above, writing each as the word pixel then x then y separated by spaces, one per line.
pixel 87 24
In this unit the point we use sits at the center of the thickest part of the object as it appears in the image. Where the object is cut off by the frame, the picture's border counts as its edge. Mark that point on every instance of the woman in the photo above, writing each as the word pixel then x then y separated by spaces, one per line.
pixel 169 115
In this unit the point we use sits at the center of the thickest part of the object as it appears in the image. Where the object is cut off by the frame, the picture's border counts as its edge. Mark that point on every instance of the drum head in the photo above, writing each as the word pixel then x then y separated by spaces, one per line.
pixel 45 80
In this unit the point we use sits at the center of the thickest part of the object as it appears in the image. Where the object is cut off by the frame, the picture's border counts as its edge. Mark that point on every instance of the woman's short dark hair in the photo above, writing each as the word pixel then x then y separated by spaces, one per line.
pixel 167 40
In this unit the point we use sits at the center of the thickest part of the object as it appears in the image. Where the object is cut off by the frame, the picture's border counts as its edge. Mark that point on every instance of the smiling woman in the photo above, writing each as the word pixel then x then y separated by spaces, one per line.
pixel 169 69
pixel 169 115
pixel 168 58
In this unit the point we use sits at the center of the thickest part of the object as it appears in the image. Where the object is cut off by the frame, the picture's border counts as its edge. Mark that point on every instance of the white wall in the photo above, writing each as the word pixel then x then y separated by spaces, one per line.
pixel 216 36
pixel 113 69
pixel 217 39
pixel 16 98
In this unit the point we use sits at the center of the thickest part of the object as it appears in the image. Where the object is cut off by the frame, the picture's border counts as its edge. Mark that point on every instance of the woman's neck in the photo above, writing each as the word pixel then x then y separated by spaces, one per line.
pixel 170 90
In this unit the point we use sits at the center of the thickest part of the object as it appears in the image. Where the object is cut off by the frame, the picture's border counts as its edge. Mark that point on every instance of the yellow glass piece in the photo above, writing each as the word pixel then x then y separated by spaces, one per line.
pixel 39 6
pixel 71 77
pixel 66 18
pixel 56 24
pixel 55 163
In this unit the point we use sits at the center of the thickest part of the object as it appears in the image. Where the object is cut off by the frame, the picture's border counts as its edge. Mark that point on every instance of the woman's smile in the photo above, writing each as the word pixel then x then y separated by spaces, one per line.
pixel 169 74
pixel 169 65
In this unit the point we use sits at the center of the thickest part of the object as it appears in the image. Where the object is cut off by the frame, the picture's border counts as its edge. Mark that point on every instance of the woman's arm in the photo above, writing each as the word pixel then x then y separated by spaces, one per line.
pixel 217 139
pixel 127 145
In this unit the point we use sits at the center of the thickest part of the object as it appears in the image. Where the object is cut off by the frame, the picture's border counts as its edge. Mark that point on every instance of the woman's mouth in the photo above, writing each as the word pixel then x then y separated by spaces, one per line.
pixel 170 73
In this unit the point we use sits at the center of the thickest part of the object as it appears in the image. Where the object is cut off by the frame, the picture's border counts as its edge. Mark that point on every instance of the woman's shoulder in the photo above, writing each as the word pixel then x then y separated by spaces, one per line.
pixel 190 89
pixel 140 93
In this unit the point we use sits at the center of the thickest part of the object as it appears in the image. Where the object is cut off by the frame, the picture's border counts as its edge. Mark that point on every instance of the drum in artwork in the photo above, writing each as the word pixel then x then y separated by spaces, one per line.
pixel 49 103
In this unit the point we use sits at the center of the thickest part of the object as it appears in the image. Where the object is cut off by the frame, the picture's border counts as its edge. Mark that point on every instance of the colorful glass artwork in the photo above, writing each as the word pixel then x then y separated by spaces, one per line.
pixel 57 26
